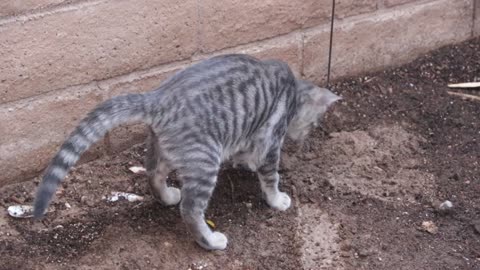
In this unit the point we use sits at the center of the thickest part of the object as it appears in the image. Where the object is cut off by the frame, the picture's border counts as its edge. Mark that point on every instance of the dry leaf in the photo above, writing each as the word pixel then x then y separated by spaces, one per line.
pixel 210 223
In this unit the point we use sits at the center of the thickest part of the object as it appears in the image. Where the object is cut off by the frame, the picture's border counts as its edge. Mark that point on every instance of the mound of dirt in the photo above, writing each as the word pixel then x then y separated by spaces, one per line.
pixel 383 162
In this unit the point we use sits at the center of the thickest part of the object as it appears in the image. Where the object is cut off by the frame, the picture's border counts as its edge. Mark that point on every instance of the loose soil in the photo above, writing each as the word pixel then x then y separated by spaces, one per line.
pixel 388 154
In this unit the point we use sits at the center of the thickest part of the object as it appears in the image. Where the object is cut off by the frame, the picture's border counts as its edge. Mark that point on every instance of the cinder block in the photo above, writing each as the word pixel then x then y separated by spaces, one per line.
pixel 139 82
pixel 93 42
pixel 287 48
pixel 390 38
pixel 391 3
pixel 32 130
pixel 347 8
pixel 123 137
pixel 224 24
pixel 228 23
pixel 16 7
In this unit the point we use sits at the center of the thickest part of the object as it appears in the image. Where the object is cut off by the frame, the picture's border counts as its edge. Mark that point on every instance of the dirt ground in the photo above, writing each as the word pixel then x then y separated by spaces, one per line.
pixel 388 154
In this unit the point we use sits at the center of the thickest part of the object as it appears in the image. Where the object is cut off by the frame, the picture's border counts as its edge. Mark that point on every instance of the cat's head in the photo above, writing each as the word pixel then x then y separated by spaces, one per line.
pixel 312 103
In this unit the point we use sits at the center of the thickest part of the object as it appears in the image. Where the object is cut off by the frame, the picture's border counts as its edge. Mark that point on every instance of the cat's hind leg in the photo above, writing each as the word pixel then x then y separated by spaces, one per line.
pixel 197 188
pixel 269 180
pixel 158 170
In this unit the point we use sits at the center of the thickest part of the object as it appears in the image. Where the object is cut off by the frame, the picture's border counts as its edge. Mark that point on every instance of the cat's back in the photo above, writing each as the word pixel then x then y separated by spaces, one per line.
pixel 209 71
pixel 220 70
pixel 231 94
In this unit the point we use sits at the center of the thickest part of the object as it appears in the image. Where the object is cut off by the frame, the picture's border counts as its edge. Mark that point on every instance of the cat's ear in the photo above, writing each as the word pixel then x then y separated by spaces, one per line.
pixel 316 96
pixel 324 97
pixel 327 97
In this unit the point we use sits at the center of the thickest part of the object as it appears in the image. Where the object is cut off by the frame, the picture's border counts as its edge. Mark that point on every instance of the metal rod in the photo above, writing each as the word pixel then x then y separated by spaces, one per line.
pixel 331 42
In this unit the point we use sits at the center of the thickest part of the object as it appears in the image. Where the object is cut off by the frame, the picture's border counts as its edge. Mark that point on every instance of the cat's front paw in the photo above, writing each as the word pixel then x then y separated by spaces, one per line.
pixel 281 201
pixel 215 241
pixel 171 196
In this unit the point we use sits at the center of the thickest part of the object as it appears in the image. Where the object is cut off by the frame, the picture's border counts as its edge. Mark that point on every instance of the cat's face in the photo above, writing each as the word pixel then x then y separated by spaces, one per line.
pixel 314 102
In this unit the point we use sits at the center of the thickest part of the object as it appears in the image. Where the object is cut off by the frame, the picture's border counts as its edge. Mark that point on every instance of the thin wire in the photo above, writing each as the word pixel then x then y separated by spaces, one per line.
pixel 331 42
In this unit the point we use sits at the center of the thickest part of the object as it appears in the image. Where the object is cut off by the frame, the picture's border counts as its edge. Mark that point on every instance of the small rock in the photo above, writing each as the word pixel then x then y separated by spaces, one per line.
pixel 445 206
pixel 476 226
pixel 60 191
pixel 347 246
pixel 363 253
pixel 309 156
pixel 130 189
pixel 20 211
pixel 199 266
pixel 115 196
pixel 17 199
pixel 137 169
pixel 455 177
pixel 87 200
pixel 429 227
pixel 248 205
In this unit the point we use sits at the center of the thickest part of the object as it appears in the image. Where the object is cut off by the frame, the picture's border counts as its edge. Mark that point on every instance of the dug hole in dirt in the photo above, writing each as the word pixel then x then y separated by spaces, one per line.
pixel 366 191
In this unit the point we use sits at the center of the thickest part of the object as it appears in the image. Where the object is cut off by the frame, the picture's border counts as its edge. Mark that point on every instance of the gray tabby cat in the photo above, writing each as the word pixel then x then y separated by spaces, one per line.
pixel 230 106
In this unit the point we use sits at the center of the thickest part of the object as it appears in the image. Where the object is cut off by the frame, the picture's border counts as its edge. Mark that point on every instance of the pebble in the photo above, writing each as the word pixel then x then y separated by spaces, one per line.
pixel 115 196
pixel 137 169
pixel 87 200
pixel 17 199
pixel 429 227
pixel 476 226
pixel 364 252
pixel 20 211
pixel 445 206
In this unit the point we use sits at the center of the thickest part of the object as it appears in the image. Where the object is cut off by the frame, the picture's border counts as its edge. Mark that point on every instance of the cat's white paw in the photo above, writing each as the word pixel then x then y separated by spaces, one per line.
pixel 215 241
pixel 171 196
pixel 218 241
pixel 281 201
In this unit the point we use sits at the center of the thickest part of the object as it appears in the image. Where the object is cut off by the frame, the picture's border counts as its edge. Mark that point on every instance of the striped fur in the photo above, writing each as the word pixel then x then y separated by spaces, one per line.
pixel 227 107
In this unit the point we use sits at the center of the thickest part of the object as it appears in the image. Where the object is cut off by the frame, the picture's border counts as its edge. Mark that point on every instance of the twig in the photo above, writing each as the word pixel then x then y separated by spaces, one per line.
pixel 465 85
pixel 462 95
pixel 295 195
pixel 137 205
pixel 16 200
pixel 232 189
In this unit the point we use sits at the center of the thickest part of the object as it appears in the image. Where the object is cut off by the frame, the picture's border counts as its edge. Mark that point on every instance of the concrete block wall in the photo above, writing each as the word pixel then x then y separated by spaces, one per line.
pixel 59 58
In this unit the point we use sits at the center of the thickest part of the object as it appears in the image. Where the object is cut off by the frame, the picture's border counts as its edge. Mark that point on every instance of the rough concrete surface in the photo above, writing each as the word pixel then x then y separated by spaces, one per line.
pixel 16 7
pixel 392 37
pixel 94 42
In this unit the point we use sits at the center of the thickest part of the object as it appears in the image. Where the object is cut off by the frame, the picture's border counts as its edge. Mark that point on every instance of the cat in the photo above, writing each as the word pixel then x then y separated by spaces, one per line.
pixel 227 107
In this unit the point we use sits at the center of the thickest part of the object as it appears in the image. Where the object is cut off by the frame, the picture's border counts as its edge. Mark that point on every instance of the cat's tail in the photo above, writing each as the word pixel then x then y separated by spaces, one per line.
pixel 109 114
